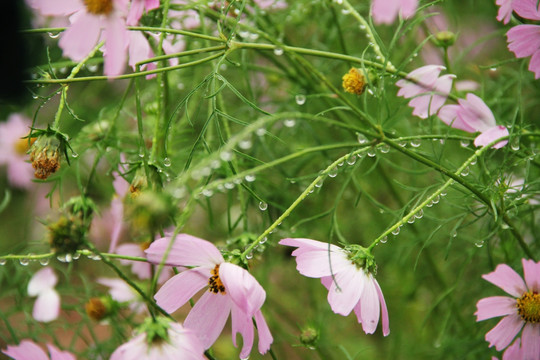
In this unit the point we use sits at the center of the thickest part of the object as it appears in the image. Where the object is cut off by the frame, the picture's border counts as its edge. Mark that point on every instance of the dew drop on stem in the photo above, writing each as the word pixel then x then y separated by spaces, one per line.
pixel 263 206
pixel 333 173
pixel 300 99
pixel 3 262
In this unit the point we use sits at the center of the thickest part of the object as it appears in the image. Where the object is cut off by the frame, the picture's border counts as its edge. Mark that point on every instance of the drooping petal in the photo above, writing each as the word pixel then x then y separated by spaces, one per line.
pixel 321 263
pixel 242 323
pixel 449 115
pixel 81 37
pixel 419 81
pixel 476 113
pixel 531 273
pixel 117 219
pixel 370 306
pixel 185 342
pixel 494 306
pixel 345 291
pixel 208 317
pixel 504 332
pixel 47 306
pixel 55 7
pixel 43 280
pixel 490 135
pixel 186 250
pixel 242 287
pixel 179 289
pixel 528 9
pixel 265 337
pixel 530 341
pixel 384 310
pixel 534 64
pixel 116 42
pixel 507 279
pixel 139 49
pixel 131 350
pixel 386 11
pixel 26 350
pixel 57 354
pixel 505 10
pixel 308 245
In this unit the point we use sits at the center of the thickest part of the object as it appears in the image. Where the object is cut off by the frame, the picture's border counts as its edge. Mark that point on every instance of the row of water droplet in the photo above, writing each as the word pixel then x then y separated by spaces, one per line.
pixel 65 258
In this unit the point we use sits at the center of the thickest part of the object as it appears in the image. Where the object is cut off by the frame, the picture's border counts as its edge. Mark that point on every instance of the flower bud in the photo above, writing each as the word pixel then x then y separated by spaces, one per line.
pixel 98 308
pixel 354 81
pixel 45 156
pixel 445 39
pixel 309 337
pixel 151 210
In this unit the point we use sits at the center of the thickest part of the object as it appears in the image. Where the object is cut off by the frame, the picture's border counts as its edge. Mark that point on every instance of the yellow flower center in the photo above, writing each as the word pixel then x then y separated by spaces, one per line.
pixel 96 309
pixel 99 7
pixel 214 283
pixel 354 82
pixel 145 245
pixel 22 145
pixel 529 307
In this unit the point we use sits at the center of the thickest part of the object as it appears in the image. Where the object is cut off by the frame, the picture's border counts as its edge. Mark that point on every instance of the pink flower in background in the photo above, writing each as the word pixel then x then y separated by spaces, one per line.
pixel 181 344
pixel 123 293
pixel 386 11
pixel 13 150
pixel 137 8
pixel 231 290
pixel 524 40
pixel 47 305
pixel 505 10
pixel 350 287
pixel 142 269
pixel 521 311
pixel 427 89
pixel 473 115
pixel 28 350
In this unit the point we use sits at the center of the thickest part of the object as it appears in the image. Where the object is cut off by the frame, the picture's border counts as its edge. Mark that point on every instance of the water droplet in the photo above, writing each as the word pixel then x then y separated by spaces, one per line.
pixel 263 206
pixel 44 261
pixel 229 186
pixel 237 181
pixel 300 99
pixel 362 27
pixel 24 261
pixel 263 240
pixel 289 123
pixel 337 289
pixel 54 35
pixel 92 68
pixel 250 178
pixel 396 231
pixel 384 148
pixel 108 149
pixel 141 155
pixel 465 171
pixel 245 144
pixel 362 139
pixel 361 155
pixel 493 69
pixel 371 152
pixel 180 86
pixel 419 214
pixel 260 131
pixel 167 162
pixel 278 51
pixel 454 234
pixel 345 11
pixel 333 173
pixel 479 243
pixel 402 143
pixel 319 183
pixel 215 164
pixel 94 257
pixel 351 160
pixel 514 144
pixel 226 156
pixel 3 262
pixel 473 162
pixel 207 192
pixel 441 141
pixel 384 240
pixel 411 220
pixel 464 143
pixel 341 163
pixel 74 155
pixel 35 96
pixel 416 143
pixel 249 256
pixel 443 194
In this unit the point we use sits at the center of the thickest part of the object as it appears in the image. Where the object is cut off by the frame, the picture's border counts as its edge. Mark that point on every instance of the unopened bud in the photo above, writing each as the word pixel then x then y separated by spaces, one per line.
pixel 354 81
pixel 98 308
pixel 309 337
pixel 45 156
pixel 445 39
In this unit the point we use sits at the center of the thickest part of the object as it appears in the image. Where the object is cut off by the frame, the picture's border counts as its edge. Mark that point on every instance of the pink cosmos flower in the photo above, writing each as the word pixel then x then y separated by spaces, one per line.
pixel 142 269
pixel 90 20
pixel 47 305
pixel 13 150
pixel 505 10
pixel 524 40
pixel 386 11
pixel 28 350
pixel 137 8
pixel 120 291
pixel 473 115
pixel 521 311
pixel 427 89
pixel 350 287
pixel 231 290
pixel 181 343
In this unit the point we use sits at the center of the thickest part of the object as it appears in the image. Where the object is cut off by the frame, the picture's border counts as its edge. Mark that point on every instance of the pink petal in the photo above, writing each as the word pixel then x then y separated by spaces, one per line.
pixel 186 250
pixel 534 64
pixel 524 40
pixel 322 263
pixel 116 41
pixel 419 81
pixel 494 306
pixel 530 341
pixel 504 332
pixel 20 173
pixel 185 342
pixel 531 272
pixel 242 287
pixel 26 350
pixel 208 317
pixel 308 245
pixel 119 289
pixel 265 337
pixel 513 351
pixel 476 113
pixel 449 115
pixel 527 9
pixel 139 49
pixel 242 323
pixel 81 37
pixel 135 12
pixel 370 306
pixel 43 280
pixel 55 7
pixel 507 279
pixel 141 269
pixel 57 354
pixel 384 310
pixel 345 291
pixel 121 186
pixel 47 306
pixel 179 289
pixel 505 10
pixel 384 11
pixel 490 135
pixel 117 219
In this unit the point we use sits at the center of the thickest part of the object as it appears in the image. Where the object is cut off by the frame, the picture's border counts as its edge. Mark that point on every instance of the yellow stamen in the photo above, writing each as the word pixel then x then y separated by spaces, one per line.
pixel 214 283
pixel 354 82
pixel 99 7
pixel 529 307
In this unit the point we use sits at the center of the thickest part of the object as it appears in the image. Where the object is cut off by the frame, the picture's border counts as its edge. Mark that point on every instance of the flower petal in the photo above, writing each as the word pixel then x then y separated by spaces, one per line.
pixel 186 250
pixel 47 306
pixel 81 37
pixel 530 341
pixel 26 350
pixel 116 42
pixel 504 332
pixel 384 310
pixel 494 306
pixel 208 317
pixel 491 135
pixel 57 354
pixel 55 7
pixel 449 115
pixel 528 9
pixel 242 287
pixel 370 306
pixel 524 40
pixel 242 323
pixel 265 337
pixel 119 289
pixel 43 280
pixel 531 272
pixel 476 113
pixel 513 351
pixel 346 289
pixel 179 289
pixel 505 10
pixel 507 279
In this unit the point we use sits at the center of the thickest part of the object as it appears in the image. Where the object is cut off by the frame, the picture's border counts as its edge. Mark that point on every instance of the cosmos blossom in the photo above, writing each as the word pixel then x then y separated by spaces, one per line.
pixel 520 311
pixel 28 350
pixel 386 11
pixel 350 286
pixel 426 89
pixel 505 10
pixel 13 149
pixel 524 40
pixel 473 115
pixel 47 305
pixel 231 290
